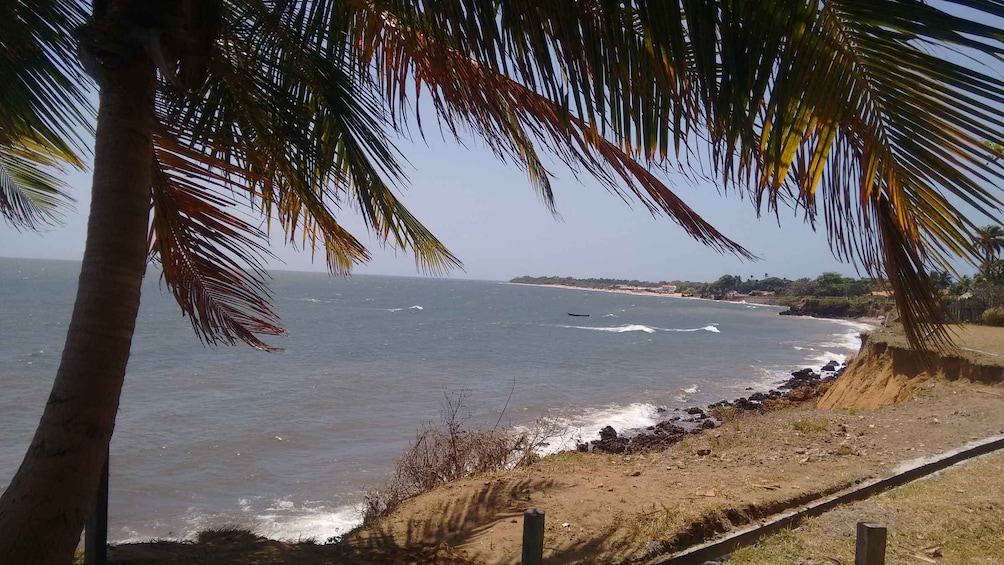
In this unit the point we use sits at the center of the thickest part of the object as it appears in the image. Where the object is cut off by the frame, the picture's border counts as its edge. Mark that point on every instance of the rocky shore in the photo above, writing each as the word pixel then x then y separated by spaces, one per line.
pixel 803 385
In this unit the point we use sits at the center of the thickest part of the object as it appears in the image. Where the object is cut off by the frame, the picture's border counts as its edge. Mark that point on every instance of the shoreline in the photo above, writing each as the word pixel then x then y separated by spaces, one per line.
pixel 658 497
pixel 676 423
pixel 620 291
pixel 874 321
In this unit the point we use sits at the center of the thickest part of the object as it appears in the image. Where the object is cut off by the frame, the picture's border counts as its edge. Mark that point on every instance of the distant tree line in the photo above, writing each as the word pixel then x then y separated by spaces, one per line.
pixel 827 284
pixel 978 298
pixel 586 283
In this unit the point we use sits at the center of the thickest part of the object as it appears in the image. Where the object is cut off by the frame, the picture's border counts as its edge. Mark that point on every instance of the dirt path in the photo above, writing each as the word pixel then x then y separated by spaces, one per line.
pixel 956 516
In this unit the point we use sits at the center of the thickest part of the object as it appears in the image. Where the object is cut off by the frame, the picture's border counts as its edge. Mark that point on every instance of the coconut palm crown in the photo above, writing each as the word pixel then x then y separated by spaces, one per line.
pixel 990 241
pixel 218 118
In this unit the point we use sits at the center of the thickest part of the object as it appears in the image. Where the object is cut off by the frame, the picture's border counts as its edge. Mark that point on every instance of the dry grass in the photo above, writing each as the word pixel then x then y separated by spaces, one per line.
pixel 979 344
pixel 810 425
pixel 955 517
pixel 450 450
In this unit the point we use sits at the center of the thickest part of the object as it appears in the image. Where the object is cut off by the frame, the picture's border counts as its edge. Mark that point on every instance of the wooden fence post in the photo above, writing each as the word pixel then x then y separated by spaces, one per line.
pixel 870 544
pixel 96 528
pixel 533 537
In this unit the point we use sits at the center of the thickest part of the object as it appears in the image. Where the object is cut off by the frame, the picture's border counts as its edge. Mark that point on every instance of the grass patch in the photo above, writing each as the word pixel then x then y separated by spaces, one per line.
pixel 954 517
pixel 723 413
pixel 810 426
pixel 563 456
pixel 225 533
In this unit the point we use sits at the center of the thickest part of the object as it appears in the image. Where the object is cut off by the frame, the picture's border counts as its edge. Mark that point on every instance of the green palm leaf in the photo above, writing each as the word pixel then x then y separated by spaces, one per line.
pixel 31 192
pixel 288 125
pixel 43 111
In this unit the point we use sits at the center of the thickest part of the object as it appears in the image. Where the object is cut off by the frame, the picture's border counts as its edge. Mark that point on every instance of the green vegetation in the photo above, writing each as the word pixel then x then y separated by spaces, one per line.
pixel 586 283
pixel 831 295
pixel 810 426
pixel 994 317
pixel 826 284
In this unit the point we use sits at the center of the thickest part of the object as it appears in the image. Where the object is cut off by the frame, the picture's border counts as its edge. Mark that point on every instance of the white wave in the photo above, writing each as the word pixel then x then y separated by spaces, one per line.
pixel 312 300
pixel 642 328
pixel 849 341
pixel 615 329
pixel 283 520
pixel 415 307
pixel 797 348
pixel 610 316
pixel 288 522
pixel 824 357
pixel 713 328
pixel 584 427
pixel 692 389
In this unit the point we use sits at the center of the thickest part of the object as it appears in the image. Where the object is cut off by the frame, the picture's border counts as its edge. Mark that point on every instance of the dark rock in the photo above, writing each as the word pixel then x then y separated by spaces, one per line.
pixel 694 411
pixel 703 452
pixel 758 396
pixel 708 424
pixel 745 404
pixel 664 435
pixel 610 442
pixel 800 378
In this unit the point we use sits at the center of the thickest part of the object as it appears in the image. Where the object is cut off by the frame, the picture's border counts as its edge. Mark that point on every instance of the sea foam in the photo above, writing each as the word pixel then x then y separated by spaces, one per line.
pixel 713 328
pixel 286 521
pixel 585 426
pixel 615 329
pixel 415 307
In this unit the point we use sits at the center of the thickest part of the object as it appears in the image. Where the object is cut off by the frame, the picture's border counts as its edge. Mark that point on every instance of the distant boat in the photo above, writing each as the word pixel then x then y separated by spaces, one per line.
pixel 579 315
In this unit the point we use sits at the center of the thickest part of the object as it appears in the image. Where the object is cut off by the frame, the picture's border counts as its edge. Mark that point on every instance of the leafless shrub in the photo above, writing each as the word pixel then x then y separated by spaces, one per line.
pixel 448 450
pixel 531 440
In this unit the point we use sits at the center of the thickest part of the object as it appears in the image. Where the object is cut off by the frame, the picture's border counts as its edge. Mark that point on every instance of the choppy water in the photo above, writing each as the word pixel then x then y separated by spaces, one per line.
pixel 287 442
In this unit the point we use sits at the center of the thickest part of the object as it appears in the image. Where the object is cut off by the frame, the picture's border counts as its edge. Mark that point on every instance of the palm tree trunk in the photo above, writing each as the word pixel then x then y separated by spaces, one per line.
pixel 43 509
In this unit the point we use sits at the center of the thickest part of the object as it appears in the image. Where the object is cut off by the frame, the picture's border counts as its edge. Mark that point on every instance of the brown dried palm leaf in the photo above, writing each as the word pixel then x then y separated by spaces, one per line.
pixel 518 124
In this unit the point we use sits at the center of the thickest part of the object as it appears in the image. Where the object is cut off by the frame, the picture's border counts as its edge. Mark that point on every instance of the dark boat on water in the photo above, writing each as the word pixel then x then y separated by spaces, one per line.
pixel 579 315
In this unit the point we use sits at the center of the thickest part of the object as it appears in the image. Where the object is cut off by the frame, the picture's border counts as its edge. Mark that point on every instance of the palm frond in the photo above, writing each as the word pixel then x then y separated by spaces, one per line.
pixel 868 118
pixel 44 110
pixel 856 112
pixel 289 126
pixel 516 122
pixel 32 193
pixel 44 99
pixel 212 259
